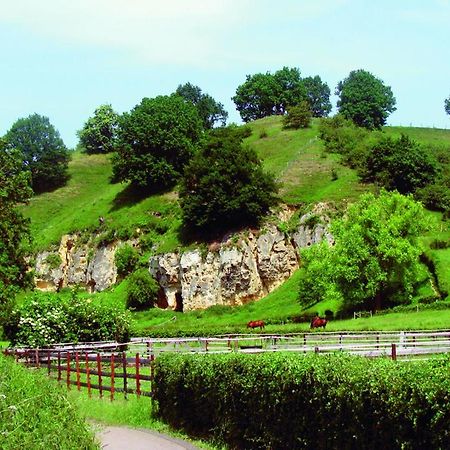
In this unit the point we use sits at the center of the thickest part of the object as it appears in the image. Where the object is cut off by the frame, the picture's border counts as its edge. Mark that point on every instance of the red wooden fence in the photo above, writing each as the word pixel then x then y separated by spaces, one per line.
pixel 94 371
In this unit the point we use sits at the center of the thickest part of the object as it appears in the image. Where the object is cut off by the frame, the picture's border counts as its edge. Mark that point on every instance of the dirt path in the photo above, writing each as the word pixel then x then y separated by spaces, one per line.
pixel 123 438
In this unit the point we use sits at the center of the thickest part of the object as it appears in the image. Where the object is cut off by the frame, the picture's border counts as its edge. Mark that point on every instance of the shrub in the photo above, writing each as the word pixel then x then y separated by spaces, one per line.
pixel 142 290
pixel 299 116
pixel 285 401
pixel 126 259
pixel 45 319
pixel 36 414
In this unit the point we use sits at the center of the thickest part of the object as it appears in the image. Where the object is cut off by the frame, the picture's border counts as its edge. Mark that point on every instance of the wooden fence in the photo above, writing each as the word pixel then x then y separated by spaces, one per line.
pixel 128 368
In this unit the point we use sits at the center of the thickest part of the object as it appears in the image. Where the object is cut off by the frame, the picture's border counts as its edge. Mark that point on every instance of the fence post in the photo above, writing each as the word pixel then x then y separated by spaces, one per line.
pixel 48 362
pixel 112 376
pixel 393 352
pixel 77 367
pixel 124 364
pixel 99 373
pixel 152 373
pixel 88 374
pixel 138 379
pixel 36 356
pixel 68 370
pixel 59 365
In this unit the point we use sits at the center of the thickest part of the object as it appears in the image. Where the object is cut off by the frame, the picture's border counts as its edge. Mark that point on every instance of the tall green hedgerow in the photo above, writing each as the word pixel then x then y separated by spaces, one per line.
pixel 35 414
pixel 285 401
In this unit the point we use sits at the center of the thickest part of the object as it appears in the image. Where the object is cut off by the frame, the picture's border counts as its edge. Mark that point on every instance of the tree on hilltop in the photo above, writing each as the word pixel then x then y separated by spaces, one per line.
pixel 318 96
pixel 99 133
pixel 262 95
pixel 210 111
pixel 447 105
pixel 43 151
pixel 365 99
pixel 155 141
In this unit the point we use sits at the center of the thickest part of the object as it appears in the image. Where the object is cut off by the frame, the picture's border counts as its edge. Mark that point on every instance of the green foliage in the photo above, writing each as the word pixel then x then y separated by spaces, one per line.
pixel 265 94
pixel 142 291
pixel 298 116
pixel 224 185
pixel 436 196
pixel 35 413
pixel 155 141
pixel 375 259
pixel 44 319
pixel 14 228
pixel 53 260
pixel 126 259
pixel 209 111
pixel 318 96
pixel 285 401
pixel 400 164
pixel 99 133
pixel 43 151
pixel 447 105
pixel 365 99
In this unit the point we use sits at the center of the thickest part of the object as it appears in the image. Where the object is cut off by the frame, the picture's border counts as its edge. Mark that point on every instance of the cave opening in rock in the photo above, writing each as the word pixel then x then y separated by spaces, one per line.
pixel 178 302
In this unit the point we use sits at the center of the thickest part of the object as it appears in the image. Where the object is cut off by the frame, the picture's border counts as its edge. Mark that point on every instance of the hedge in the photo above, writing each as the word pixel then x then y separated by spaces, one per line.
pixel 292 401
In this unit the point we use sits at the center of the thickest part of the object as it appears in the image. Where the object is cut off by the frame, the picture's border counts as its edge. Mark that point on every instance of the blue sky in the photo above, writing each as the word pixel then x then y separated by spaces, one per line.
pixel 64 58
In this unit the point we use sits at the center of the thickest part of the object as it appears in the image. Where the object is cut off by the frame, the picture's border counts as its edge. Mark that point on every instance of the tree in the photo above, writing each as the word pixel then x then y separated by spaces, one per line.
pixel 99 133
pixel 155 141
pixel 318 96
pixel 14 229
pixel 400 164
pixel 43 151
pixel 447 105
pixel 375 259
pixel 224 185
pixel 365 99
pixel 298 116
pixel 210 111
pixel 265 94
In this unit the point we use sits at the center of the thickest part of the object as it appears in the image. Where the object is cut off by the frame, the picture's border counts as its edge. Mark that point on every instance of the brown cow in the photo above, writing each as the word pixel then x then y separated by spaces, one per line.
pixel 256 324
pixel 318 322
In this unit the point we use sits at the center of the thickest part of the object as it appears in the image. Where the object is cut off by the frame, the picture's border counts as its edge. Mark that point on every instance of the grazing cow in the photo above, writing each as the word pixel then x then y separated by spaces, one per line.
pixel 256 324
pixel 317 322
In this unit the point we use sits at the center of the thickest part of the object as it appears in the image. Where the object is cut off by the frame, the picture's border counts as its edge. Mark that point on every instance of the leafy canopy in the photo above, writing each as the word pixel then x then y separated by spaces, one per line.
pixel 318 96
pixel 365 99
pixel 99 133
pixel 224 185
pixel 400 164
pixel 14 229
pixel 447 105
pixel 155 141
pixel 43 151
pixel 209 111
pixel 298 116
pixel 375 259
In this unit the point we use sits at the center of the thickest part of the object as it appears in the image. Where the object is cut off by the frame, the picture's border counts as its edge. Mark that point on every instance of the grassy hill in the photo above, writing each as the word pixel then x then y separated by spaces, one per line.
pixel 297 158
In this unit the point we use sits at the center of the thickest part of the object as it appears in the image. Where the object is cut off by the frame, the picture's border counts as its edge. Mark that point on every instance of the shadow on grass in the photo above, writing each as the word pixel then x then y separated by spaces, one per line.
pixel 132 195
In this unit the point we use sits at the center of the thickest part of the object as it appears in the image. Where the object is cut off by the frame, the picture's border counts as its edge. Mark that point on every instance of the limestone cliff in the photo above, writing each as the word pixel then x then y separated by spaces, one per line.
pixel 230 273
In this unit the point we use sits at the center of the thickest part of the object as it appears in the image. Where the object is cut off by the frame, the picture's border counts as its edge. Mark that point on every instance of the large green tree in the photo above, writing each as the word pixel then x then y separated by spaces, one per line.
pixel 375 259
pixel 400 164
pixel 365 99
pixel 155 141
pixel 210 111
pixel 318 96
pixel 43 151
pixel 99 133
pixel 447 105
pixel 262 95
pixel 224 185
pixel 14 228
